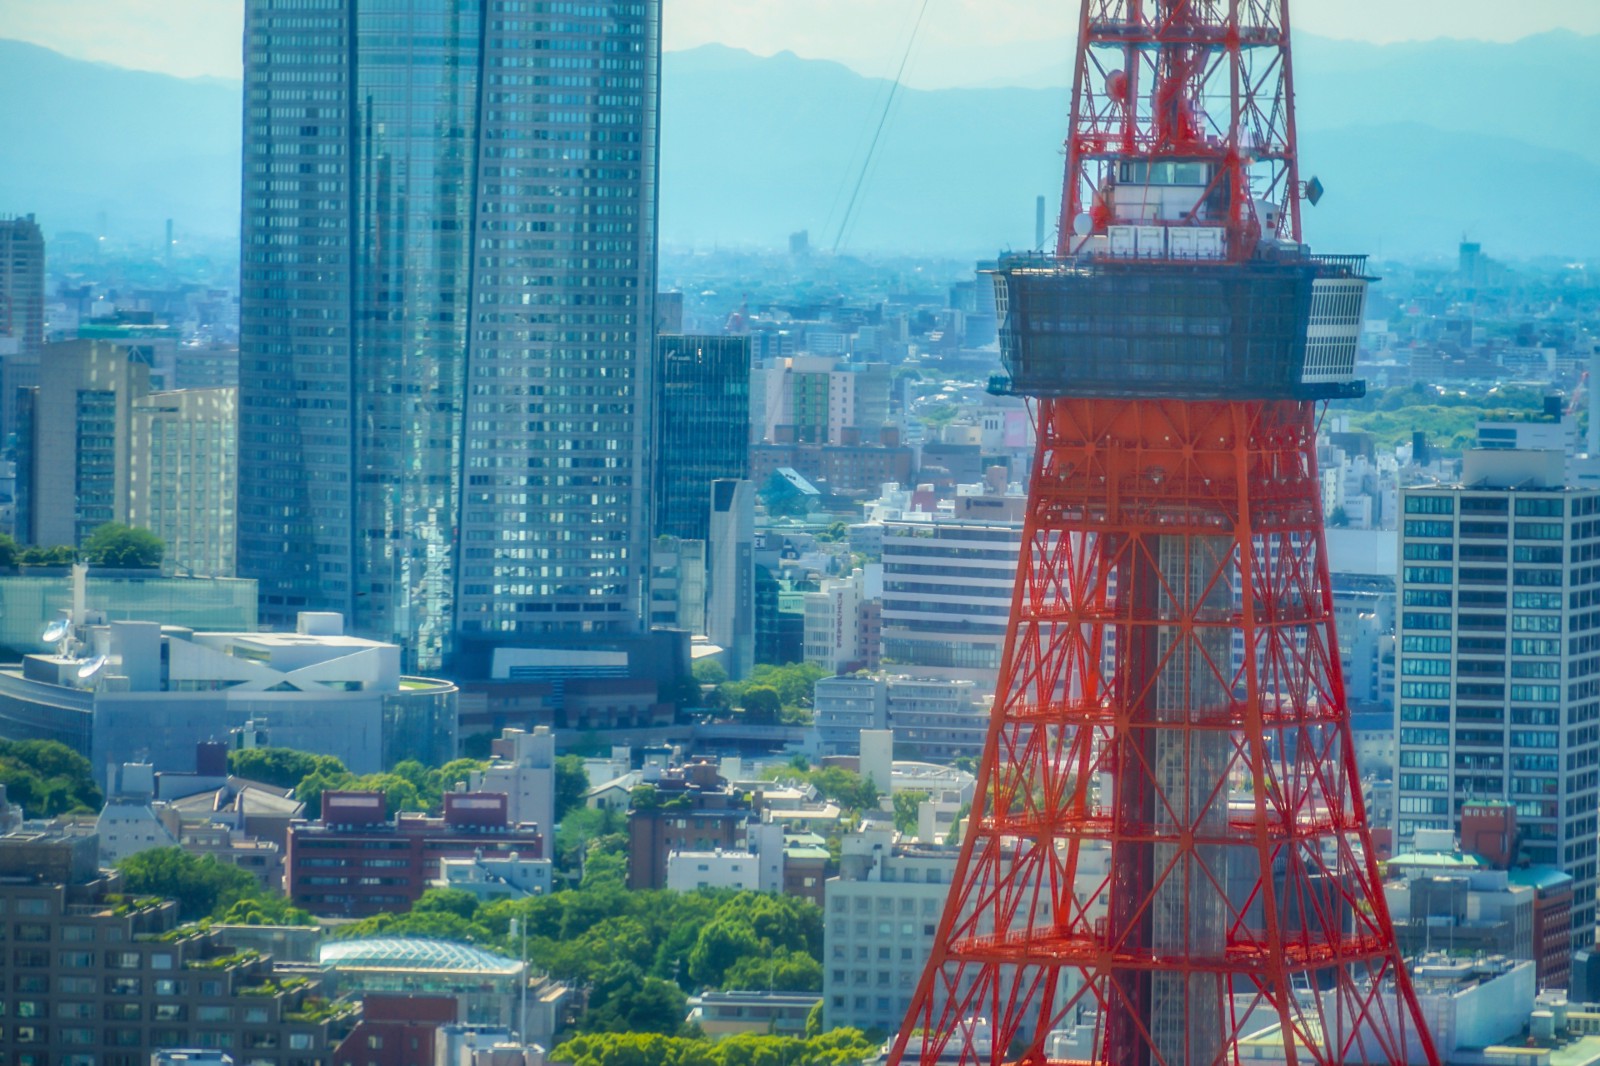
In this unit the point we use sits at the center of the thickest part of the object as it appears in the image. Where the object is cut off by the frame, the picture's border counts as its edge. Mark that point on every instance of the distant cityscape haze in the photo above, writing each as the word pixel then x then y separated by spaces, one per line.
pixel 961 42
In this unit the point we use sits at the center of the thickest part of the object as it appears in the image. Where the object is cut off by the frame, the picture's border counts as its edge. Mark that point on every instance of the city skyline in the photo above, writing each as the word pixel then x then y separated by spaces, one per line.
pixel 969 42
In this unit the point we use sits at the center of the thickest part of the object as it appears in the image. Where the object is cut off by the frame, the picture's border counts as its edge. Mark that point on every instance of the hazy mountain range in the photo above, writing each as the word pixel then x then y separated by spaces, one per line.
pixel 1417 145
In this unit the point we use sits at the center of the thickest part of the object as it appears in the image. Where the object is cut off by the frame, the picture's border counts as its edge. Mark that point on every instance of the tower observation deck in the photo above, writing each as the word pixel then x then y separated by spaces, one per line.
pixel 1167 861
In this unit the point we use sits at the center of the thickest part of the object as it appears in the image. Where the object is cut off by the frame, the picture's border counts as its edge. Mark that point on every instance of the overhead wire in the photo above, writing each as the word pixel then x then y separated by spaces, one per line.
pixel 877 133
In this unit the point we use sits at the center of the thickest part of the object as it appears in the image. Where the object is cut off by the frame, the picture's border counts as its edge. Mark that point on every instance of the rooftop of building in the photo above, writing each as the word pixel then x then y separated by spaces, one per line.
pixel 1444 860
pixel 1539 877
pixel 415 953
pixel 763 998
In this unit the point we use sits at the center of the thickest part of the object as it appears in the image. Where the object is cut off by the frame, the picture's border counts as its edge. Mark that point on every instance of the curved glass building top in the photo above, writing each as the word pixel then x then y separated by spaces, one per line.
pixel 414 953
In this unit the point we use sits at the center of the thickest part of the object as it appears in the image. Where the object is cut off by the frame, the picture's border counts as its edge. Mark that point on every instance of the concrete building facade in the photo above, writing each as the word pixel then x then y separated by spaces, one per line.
pixel 97 978
pixel 947 595
pixel 881 913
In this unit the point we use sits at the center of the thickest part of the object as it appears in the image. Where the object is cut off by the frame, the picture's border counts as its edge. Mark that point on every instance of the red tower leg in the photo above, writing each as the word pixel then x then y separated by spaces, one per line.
pixel 1170 712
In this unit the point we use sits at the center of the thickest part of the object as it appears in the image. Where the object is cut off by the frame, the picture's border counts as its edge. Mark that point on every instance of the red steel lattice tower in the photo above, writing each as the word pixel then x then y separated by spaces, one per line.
pixel 1167 852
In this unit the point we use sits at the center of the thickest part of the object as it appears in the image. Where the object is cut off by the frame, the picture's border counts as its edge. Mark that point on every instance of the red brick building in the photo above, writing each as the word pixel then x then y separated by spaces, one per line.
pixel 396 1031
pixel 693 809
pixel 356 861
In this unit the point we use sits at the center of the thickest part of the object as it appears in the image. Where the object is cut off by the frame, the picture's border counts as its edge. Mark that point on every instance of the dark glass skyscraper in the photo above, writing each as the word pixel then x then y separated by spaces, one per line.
pixel 448 267
pixel 702 418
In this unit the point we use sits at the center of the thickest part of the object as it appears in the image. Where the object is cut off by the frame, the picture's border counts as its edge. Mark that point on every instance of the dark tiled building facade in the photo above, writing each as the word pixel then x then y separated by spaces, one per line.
pixel 90 976
pixel 702 422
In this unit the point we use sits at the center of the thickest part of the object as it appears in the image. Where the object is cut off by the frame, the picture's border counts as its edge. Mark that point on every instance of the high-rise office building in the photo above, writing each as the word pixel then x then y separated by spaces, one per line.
pixel 447 278
pixel 22 283
pixel 702 416
pixel 21 311
pixel 1499 686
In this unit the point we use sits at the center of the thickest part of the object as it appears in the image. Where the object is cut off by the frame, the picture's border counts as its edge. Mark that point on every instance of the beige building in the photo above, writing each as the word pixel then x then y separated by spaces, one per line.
pixel 95 445
pixel 184 459
pixel 73 444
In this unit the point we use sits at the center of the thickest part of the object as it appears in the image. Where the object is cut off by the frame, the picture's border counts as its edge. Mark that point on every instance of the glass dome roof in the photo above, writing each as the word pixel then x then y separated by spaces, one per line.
pixel 413 953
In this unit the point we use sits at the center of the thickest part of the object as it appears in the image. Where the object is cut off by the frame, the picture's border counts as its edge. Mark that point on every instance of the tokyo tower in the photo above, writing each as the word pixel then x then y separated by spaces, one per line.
pixel 1167 852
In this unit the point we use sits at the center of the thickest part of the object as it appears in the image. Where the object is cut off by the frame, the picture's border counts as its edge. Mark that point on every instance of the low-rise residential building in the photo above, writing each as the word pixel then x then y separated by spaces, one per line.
pixel 720 1014
pixel 488 877
pixel 691 870
pixel 687 809
pixel 523 767
pixel 937 719
pixel 843 706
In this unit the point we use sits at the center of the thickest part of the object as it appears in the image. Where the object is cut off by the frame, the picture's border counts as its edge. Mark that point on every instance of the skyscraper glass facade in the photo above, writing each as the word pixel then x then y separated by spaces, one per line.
pixel 448 270
pixel 702 422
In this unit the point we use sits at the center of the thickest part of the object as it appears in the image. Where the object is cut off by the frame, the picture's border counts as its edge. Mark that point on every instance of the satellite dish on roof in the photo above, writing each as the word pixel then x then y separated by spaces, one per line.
pixel 56 631
pixel 91 669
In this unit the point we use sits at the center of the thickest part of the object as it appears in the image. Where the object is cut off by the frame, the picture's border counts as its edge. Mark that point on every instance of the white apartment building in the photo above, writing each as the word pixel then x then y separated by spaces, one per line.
pixel 843 706
pixel 490 877
pixel 523 766
pixel 882 911
pixel 833 630
pixel 1499 659
pixel 691 870
pixel 937 719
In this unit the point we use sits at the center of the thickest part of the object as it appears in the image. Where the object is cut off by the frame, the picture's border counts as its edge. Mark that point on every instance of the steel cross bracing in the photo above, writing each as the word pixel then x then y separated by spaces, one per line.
pixel 1186 79
pixel 1167 861
pixel 1170 693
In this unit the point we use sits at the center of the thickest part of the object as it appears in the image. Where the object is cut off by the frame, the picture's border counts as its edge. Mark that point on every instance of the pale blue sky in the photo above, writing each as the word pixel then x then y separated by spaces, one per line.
pixel 962 42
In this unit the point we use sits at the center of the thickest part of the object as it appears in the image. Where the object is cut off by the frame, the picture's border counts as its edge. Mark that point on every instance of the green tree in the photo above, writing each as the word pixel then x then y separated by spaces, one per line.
pixel 310 789
pixel 572 784
pixel 10 552
pixel 399 794
pixel 761 704
pixel 814 1021
pixel 201 885
pixel 709 672
pixel 782 971
pixel 59 555
pixel 634 1049
pixel 435 925
pixel 622 999
pixel 445 777
pixel 795 682
pixel 282 767
pixel 905 810
pixel 265 909
pixel 846 787
pixel 448 901
pixel 719 946
pixel 124 547
pixel 838 1047
pixel 47 778
pixel 577 829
